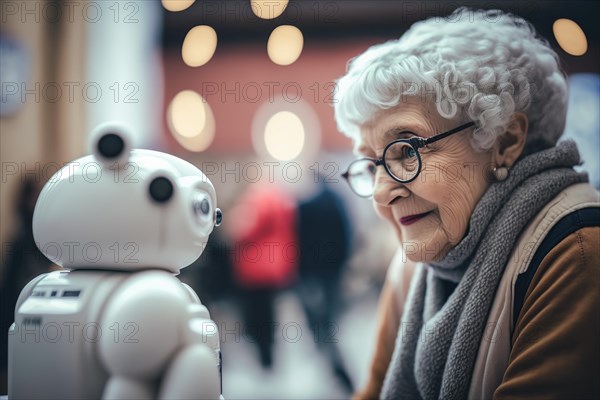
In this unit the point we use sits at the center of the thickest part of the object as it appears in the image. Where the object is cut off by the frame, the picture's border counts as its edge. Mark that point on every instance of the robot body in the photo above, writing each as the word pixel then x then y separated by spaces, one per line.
pixel 119 324
pixel 52 343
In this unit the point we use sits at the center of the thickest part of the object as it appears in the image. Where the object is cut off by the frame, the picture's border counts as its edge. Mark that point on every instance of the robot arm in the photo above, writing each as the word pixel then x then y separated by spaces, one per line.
pixel 148 310
pixel 154 309
pixel 193 296
pixel 196 369
pixel 192 375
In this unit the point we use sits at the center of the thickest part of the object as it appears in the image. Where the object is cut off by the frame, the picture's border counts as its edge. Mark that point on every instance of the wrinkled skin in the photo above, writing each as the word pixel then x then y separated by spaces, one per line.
pixel 453 178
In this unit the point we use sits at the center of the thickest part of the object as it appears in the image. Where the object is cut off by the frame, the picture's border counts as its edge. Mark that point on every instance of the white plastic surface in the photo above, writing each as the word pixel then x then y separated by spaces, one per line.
pixel 95 217
pixel 119 324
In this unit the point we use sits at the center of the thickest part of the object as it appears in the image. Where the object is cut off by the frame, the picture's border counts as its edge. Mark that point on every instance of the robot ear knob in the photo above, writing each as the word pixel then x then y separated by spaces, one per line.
pixel 161 189
pixel 111 145
pixel 218 217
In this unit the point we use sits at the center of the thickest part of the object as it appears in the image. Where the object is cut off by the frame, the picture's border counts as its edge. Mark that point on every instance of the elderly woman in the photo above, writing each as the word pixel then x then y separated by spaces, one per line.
pixel 456 124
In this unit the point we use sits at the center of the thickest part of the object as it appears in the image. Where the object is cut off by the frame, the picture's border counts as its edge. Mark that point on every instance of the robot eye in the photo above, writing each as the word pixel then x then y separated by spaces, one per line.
pixel 161 189
pixel 201 206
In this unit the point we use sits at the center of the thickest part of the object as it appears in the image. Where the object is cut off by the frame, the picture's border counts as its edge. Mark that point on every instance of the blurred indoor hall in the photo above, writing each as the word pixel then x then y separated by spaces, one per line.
pixel 244 91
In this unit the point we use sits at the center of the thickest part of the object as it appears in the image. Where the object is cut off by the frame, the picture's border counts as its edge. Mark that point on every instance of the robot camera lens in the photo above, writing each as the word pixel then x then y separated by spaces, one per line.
pixel 111 145
pixel 204 206
pixel 161 189
pixel 201 205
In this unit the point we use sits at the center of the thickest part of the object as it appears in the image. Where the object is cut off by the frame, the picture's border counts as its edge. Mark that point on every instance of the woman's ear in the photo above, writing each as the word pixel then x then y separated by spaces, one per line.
pixel 511 143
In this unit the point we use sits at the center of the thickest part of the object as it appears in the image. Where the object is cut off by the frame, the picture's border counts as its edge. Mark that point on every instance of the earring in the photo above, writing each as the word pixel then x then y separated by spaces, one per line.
pixel 500 173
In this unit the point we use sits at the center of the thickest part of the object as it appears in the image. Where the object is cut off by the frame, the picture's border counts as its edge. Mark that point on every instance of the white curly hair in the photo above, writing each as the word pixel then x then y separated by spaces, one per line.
pixel 476 65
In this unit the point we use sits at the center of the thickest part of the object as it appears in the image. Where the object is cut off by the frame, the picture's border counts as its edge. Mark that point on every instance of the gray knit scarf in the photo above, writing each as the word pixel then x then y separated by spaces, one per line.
pixel 439 336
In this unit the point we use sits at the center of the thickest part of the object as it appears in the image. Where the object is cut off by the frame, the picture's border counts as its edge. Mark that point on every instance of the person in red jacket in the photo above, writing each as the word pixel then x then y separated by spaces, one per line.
pixel 265 257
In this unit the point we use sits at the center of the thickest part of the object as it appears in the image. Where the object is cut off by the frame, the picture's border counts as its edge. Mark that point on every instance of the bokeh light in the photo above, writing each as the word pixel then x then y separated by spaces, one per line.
pixel 285 44
pixel 268 9
pixel 286 131
pixel 177 5
pixel 570 36
pixel 191 121
pixel 284 136
pixel 199 45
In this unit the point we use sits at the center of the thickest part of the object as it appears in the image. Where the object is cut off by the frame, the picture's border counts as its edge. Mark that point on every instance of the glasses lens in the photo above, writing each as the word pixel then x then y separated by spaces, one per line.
pixel 361 177
pixel 402 161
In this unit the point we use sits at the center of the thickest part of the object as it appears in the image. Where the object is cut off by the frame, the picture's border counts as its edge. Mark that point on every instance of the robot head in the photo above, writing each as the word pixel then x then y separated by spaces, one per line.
pixel 125 209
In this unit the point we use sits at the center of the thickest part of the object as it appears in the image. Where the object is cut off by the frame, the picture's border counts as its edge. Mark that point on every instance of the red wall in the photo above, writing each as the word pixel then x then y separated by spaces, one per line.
pixel 235 82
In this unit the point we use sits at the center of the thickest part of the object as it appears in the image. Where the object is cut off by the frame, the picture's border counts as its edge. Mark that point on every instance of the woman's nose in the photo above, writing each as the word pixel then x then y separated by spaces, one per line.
pixel 386 189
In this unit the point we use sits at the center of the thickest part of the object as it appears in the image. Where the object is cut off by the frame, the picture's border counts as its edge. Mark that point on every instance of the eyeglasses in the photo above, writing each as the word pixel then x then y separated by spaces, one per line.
pixel 401 160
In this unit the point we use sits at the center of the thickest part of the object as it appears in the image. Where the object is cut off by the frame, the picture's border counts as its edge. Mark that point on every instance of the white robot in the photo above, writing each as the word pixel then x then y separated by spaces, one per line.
pixel 118 323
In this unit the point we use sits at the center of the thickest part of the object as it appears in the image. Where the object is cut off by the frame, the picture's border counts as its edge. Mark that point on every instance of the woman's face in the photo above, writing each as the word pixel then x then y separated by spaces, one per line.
pixel 430 214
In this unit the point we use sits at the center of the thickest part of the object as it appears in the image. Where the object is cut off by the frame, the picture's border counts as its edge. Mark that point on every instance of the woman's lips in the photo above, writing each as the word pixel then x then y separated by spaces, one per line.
pixel 411 219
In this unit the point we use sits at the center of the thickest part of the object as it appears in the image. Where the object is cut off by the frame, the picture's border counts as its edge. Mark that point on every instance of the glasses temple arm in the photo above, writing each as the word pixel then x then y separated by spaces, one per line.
pixel 435 138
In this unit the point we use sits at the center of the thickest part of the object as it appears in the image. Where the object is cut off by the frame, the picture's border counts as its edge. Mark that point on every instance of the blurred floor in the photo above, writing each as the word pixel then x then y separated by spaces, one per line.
pixel 299 370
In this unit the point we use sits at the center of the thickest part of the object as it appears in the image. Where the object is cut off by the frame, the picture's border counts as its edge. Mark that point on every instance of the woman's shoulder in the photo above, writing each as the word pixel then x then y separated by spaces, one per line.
pixel 563 242
pixel 548 296
pixel 567 204
pixel 573 261
pixel 574 197
pixel 580 193
pixel 559 320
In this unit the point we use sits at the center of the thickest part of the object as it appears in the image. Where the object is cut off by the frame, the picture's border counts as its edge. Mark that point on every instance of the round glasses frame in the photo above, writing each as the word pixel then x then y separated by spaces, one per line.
pixel 416 143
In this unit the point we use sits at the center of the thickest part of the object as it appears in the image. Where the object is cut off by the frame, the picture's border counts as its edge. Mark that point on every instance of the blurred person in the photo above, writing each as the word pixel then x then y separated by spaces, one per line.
pixel 262 227
pixel 211 274
pixel 324 237
pixel 457 125
pixel 22 261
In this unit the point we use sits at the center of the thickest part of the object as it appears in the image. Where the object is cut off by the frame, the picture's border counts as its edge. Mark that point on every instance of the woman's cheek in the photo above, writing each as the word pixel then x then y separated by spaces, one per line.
pixel 455 212
pixel 385 213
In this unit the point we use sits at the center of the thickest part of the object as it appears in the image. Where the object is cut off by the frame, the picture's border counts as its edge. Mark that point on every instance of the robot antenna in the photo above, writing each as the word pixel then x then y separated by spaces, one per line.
pixel 110 143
